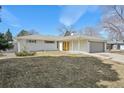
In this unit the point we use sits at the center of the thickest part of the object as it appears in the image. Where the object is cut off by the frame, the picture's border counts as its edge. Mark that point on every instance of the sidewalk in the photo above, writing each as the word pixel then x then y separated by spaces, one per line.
pixel 113 56
pixel 8 55
pixel 92 54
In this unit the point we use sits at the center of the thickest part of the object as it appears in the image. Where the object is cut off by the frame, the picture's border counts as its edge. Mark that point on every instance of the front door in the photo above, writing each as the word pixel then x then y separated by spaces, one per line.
pixel 66 46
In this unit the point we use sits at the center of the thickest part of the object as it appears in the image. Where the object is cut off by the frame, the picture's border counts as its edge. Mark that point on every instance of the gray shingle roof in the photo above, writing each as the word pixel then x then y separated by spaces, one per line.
pixel 90 38
pixel 39 37
pixel 60 38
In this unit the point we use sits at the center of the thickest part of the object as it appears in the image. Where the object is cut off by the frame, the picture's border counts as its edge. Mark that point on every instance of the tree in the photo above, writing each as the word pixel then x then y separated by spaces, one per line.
pixel 8 36
pixel 113 21
pixel 90 31
pixel 4 44
pixel 33 32
pixel 23 33
pixel 66 30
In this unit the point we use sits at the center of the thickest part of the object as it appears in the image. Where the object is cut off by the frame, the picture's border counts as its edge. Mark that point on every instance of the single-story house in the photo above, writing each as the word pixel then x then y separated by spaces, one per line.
pixel 66 43
pixel 115 45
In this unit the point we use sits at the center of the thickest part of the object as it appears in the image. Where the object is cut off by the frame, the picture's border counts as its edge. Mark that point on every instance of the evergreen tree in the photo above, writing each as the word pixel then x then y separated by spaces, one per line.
pixel 4 44
pixel 8 35
pixel 23 33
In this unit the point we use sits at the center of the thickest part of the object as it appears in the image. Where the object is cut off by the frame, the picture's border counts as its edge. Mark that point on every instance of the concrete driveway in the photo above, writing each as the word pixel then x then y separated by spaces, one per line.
pixel 8 55
pixel 112 56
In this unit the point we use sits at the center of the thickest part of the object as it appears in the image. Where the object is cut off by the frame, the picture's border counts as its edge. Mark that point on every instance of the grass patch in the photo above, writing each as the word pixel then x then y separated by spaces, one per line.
pixel 54 72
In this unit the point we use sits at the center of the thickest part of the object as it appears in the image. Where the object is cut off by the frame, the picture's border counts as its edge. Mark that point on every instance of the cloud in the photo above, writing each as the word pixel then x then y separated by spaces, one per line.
pixel 71 14
pixel 9 19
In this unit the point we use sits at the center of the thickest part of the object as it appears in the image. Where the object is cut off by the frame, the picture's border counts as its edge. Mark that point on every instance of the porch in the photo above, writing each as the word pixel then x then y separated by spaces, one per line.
pixel 74 45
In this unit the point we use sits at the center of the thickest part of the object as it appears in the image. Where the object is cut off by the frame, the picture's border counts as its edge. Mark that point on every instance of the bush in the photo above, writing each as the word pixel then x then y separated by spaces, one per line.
pixel 25 53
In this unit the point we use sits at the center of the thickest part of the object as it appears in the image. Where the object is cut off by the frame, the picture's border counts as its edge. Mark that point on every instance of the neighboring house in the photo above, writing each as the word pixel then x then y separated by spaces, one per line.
pixel 67 43
pixel 115 45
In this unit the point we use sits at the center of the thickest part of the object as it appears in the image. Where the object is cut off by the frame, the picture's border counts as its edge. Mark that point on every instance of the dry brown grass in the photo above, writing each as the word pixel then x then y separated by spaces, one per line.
pixel 55 71
pixel 51 53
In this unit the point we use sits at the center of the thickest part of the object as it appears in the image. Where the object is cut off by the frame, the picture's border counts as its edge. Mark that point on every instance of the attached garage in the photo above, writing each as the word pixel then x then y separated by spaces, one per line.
pixel 96 47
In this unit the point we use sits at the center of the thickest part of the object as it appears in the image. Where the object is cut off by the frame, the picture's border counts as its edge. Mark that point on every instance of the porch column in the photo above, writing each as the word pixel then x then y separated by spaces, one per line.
pixel 61 46
pixel 105 47
pixel 72 45
pixel 88 44
pixel 78 44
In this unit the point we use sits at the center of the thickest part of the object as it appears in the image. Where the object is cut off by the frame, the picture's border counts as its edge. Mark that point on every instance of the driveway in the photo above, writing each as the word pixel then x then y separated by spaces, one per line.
pixel 8 55
pixel 112 56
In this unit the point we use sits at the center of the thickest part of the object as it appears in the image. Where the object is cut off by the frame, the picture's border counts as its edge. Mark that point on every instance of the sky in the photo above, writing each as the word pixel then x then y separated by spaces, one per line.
pixel 46 19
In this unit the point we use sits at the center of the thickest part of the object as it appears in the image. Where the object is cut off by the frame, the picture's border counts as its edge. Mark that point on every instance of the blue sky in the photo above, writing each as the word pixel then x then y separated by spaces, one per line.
pixel 47 19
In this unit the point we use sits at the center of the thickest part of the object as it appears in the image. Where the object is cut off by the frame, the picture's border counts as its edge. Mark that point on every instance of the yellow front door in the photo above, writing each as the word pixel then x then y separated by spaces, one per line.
pixel 65 46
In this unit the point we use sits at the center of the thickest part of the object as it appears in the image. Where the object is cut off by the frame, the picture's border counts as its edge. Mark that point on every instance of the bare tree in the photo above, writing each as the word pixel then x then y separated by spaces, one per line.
pixel 113 21
pixel 90 31
pixel 33 32
pixel 66 30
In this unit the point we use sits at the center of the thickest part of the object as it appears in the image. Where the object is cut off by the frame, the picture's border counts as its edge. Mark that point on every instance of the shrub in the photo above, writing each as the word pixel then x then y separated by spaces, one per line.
pixel 25 53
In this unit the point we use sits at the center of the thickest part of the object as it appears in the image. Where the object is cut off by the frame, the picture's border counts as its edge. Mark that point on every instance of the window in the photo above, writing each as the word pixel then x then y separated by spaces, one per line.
pixel 49 41
pixel 31 41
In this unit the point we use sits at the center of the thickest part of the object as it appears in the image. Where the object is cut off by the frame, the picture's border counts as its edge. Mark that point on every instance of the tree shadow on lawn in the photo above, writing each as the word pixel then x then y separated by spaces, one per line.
pixel 54 72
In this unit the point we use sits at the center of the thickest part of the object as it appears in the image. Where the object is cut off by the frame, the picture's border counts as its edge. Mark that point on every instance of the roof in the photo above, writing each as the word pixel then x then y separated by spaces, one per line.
pixel 115 42
pixel 60 38
pixel 83 37
pixel 39 37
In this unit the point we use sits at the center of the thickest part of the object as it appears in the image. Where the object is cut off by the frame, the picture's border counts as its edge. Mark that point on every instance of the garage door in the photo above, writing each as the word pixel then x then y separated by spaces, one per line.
pixel 96 47
pixel 121 47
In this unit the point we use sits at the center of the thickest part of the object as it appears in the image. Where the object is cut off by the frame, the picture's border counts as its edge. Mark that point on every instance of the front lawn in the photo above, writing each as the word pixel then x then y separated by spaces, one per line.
pixel 55 71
